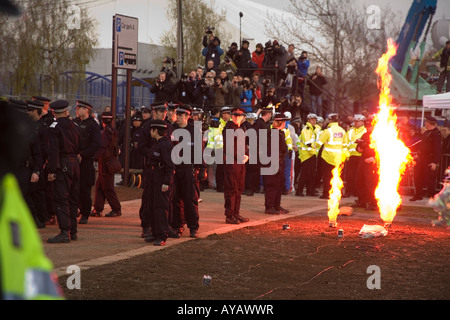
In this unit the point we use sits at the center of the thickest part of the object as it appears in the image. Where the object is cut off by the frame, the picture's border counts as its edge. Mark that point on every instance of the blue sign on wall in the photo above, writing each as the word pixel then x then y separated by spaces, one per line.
pixel 118 24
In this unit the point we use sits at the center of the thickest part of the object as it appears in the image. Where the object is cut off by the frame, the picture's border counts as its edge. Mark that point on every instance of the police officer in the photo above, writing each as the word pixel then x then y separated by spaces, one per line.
pixel 46 119
pixel 354 134
pixel 367 171
pixel 23 259
pixel 334 141
pixel 261 126
pixel 29 168
pixel 90 144
pixel 104 188
pixel 308 157
pixel 186 189
pixel 234 166
pixel 427 160
pixel 64 140
pixel 225 116
pixel 160 182
pixel 144 145
pixel 273 184
pixel 136 159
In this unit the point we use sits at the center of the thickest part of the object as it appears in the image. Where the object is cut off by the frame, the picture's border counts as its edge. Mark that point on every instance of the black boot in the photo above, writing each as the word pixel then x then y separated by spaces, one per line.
pixel 62 237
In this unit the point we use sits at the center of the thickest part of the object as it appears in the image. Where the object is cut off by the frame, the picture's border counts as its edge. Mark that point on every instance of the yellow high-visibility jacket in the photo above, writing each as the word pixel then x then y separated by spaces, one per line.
pixel 335 141
pixel 353 135
pixel 306 143
pixel 287 137
pixel 25 272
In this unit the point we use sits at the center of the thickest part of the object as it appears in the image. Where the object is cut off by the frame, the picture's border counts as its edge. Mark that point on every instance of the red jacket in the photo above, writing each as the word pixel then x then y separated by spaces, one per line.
pixel 258 59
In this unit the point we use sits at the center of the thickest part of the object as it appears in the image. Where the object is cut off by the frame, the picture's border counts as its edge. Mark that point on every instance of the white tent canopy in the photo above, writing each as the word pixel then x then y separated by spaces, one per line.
pixel 437 101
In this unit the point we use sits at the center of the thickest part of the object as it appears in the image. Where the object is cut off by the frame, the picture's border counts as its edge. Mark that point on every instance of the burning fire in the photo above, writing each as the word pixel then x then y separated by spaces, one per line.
pixel 335 194
pixel 391 153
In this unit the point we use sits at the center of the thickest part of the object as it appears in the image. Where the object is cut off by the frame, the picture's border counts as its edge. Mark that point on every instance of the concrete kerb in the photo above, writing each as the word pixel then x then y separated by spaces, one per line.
pixel 85 265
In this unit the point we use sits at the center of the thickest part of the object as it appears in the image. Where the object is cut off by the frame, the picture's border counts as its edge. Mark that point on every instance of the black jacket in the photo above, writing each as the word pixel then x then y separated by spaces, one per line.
pixel 430 147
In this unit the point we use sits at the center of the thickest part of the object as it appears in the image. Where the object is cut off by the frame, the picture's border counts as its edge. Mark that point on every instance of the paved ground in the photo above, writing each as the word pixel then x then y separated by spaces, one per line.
pixel 105 240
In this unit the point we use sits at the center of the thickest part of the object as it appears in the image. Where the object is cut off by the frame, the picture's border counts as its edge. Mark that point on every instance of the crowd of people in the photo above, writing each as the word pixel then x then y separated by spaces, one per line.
pixel 242 78
pixel 237 94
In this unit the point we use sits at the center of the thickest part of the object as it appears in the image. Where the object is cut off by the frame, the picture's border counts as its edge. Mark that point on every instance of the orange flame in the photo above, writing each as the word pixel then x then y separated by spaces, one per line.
pixel 335 194
pixel 391 153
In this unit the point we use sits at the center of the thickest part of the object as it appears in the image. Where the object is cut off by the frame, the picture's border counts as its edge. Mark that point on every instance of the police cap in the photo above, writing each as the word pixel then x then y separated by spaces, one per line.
pixel 82 104
pixel 146 109
pixel 431 119
pixel 34 104
pixel 41 99
pixel 225 110
pixel 172 106
pixel 18 104
pixel 60 106
pixel 107 116
pixel 184 109
pixel 158 124
pixel 280 117
pixel 238 111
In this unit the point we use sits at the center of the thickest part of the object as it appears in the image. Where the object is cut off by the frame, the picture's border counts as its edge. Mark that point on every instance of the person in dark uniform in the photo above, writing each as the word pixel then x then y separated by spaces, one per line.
pixel 136 159
pixel 427 160
pixel 34 110
pixel 29 167
pixel 46 119
pixel 367 171
pixel 160 181
pixel 144 145
pixel 186 190
pixel 254 175
pixel 234 166
pixel 104 188
pixel 64 170
pixel 273 184
pixel 90 144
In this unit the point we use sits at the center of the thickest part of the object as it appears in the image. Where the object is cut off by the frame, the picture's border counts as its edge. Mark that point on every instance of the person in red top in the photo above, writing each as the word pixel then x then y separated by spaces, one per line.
pixel 258 57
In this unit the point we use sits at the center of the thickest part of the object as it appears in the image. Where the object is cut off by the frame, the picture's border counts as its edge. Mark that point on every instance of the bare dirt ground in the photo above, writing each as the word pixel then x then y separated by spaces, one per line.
pixel 307 261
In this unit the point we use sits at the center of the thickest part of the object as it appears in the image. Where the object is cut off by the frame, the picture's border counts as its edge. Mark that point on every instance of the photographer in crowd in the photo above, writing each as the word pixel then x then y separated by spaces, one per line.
pixel 212 50
pixel 163 88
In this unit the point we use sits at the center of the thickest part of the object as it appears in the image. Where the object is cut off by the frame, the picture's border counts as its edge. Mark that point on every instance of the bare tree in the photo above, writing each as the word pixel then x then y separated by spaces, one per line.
pixel 197 15
pixel 337 37
pixel 44 43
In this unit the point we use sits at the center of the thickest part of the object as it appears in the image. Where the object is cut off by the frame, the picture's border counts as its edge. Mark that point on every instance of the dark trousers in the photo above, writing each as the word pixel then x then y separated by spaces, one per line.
pixel 159 204
pixel 252 177
pixel 273 188
pixel 351 174
pixel 367 182
pixel 220 177
pixel 49 197
pixel 327 174
pixel 104 190
pixel 23 176
pixel 424 178
pixel 234 183
pixel 66 196
pixel 145 200
pixel 38 196
pixel 445 75
pixel 308 175
pixel 185 198
pixel 87 181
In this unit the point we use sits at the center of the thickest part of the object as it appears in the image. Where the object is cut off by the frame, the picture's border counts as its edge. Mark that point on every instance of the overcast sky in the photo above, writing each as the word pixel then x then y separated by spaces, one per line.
pixel 153 21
